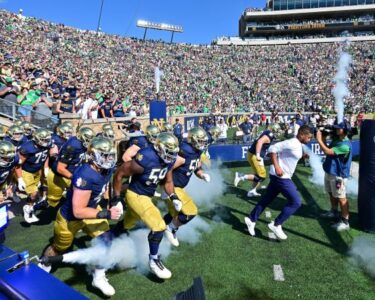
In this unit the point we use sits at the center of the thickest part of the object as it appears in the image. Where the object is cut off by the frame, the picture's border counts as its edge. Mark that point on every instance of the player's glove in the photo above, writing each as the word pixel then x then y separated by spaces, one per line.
pixel 206 177
pixel 46 170
pixel 176 202
pixel 21 184
pixel 258 157
pixel 116 201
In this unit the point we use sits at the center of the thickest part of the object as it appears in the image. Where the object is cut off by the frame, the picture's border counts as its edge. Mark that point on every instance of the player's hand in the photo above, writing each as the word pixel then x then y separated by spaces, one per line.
pixel 206 177
pixel 21 184
pixel 176 202
pixel 46 170
pixel 279 172
pixel 116 212
pixel 258 157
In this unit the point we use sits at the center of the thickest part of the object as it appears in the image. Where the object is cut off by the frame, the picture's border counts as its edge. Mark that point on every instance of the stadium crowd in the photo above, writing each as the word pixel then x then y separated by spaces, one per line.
pixel 108 74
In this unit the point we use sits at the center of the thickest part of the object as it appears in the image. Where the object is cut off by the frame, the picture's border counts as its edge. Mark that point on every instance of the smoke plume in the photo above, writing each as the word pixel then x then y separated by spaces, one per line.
pixel 340 91
pixel 363 254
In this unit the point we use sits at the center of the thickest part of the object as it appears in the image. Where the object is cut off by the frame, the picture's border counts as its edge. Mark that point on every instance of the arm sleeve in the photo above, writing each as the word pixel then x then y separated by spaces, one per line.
pixel 81 182
pixel 341 149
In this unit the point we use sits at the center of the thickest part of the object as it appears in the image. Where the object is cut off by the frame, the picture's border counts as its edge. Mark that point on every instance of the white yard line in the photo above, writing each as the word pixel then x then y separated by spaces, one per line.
pixel 272 236
pixel 268 214
pixel 278 273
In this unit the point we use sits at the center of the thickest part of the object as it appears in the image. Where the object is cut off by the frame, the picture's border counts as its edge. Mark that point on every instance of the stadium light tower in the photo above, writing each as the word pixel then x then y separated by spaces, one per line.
pixel 100 17
pixel 159 26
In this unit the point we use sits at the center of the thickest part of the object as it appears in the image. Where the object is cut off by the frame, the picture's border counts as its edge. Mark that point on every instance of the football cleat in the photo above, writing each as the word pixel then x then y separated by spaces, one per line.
pixel 152 133
pixel 157 267
pixel 172 236
pixel 237 179
pixel 7 153
pixel 44 267
pixel 102 153
pixel 198 138
pixel 330 214
pixel 341 226
pixel 28 214
pixel 278 231
pixel 250 226
pixel 85 135
pixel 253 193
pixel 166 145
pixel 100 281
pixel 42 137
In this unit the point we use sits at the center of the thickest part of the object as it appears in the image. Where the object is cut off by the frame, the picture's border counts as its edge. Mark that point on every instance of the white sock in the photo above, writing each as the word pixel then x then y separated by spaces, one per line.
pixel 243 177
pixel 99 273
pixel 154 256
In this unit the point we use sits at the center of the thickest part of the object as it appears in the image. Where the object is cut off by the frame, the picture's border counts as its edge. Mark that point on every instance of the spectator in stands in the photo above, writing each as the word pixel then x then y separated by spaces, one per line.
pixel 246 128
pixel 66 105
pixel 222 138
pixel 43 110
pixel 106 107
pixel 118 108
pixel 26 100
pixel 8 92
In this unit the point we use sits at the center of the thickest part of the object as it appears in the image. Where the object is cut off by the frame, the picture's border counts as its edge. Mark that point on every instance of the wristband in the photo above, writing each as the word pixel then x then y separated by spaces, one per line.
pixel 104 214
pixel 115 200
pixel 173 197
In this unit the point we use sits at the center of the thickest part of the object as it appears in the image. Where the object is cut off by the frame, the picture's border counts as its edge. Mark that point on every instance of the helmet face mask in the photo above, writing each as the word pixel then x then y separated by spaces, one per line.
pixel 65 131
pixel 152 133
pixel 27 128
pixel 198 138
pixel 42 137
pixel 109 133
pixel 102 153
pixel 7 154
pixel 167 127
pixel 166 145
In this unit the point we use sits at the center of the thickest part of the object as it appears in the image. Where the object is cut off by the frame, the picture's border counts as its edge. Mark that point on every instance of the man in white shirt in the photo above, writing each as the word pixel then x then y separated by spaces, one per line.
pixel 222 138
pixel 285 156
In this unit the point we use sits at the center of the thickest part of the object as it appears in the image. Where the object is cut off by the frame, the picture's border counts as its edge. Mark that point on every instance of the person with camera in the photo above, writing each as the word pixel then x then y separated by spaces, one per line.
pixel 9 93
pixel 337 170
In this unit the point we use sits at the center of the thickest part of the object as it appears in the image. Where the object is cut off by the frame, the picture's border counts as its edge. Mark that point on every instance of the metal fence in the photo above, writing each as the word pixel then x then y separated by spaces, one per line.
pixel 10 110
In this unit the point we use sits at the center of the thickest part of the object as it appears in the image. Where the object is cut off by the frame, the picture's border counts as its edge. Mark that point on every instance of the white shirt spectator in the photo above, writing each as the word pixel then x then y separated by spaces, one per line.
pixel 223 130
pixel 289 152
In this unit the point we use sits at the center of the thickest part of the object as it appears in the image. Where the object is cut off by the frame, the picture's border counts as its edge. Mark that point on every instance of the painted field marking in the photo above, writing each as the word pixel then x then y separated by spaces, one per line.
pixel 268 214
pixel 278 273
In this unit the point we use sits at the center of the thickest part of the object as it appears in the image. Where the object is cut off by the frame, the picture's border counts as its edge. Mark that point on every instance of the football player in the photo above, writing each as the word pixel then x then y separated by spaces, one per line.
pixel 8 161
pixel 81 210
pixel 187 163
pixel 140 142
pixel 109 134
pixel 167 127
pixel 28 130
pixel 2 132
pixel 148 168
pixel 15 136
pixel 213 134
pixel 70 157
pixel 63 133
pixel 255 156
pixel 33 160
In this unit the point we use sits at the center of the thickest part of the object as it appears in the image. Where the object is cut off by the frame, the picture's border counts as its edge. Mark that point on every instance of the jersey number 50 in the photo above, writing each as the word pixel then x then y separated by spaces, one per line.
pixel 157 174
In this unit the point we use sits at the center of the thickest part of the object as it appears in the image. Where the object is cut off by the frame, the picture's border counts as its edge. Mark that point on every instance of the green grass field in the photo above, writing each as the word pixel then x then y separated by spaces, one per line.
pixel 232 264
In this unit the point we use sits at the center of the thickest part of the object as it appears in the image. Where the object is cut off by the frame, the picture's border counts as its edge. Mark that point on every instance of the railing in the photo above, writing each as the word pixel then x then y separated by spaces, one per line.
pixel 10 110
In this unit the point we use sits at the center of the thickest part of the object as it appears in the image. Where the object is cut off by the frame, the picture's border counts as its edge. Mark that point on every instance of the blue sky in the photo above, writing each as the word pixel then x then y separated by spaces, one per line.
pixel 202 20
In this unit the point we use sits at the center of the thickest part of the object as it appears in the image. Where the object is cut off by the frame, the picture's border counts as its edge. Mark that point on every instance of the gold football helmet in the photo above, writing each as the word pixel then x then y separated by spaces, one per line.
pixel 85 135
pixel 15 132
pixel 64 130
pixel 109 133
pixel 17 122
pixel 215 132
pixel 152 132
pixel 198 138
pixel 166 145
pixel 277 131
pixel 2 132
pixel 28 129
pixel 42 137
pixel 107 126
pixel 102 153
pixel 68 123
pixel 7 153
pixel 167 127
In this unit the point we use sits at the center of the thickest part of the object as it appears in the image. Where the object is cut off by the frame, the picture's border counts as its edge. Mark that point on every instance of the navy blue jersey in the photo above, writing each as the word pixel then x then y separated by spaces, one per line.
pixel 86 178
pixel 139 141
pixel 118 109
pixel 16 144
pixel 29 137
pixel 155 170
pixel 35 156
pixel 5 171
pixel 246 127
pixel 71 153
pixel 106 107
pixel 58 141
pixel 67 106
pixel 265 146
pixel 182 174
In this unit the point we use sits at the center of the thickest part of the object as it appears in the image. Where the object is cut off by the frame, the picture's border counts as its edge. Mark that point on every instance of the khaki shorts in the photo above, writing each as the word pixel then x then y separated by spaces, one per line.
pixel 330 186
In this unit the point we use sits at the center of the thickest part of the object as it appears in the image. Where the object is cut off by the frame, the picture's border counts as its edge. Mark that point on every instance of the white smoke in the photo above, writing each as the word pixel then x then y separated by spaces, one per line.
pixel 131 251
pixel 362 254
pixel 157 73
pixel 340 91
pixel 317 177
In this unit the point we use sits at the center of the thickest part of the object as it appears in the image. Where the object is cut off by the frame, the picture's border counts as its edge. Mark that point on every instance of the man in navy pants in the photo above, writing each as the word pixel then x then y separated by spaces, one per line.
pixel 285 156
